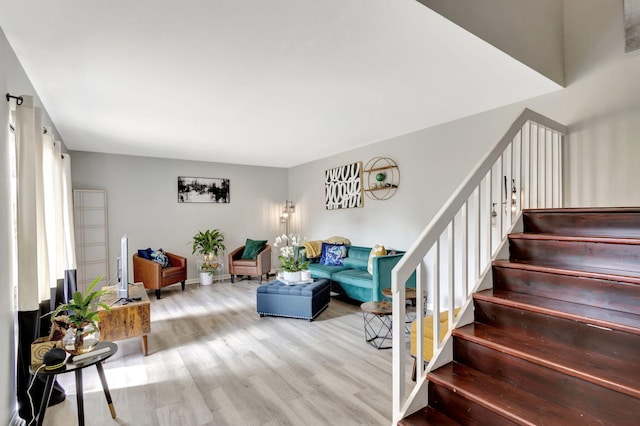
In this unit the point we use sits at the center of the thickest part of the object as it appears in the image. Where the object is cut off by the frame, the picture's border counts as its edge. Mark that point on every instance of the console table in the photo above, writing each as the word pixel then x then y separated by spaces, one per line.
pixel 132 319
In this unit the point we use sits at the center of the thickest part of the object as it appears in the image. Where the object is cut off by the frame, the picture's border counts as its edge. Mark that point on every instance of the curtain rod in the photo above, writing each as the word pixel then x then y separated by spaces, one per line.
pixel 18 99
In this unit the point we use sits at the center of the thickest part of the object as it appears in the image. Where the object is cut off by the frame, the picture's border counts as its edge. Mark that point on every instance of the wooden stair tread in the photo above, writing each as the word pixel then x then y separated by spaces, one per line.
pixel 608 210
pixel 602 370
pixel 571 238
pixel 632 277
pixel 508 401
pixel 592 315
pixel 428 416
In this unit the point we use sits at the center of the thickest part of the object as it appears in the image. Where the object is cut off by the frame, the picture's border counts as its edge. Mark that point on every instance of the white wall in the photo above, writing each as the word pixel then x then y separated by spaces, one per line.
pixel 12 80
pixel 143 202
pixel 600 106
pixel 431 164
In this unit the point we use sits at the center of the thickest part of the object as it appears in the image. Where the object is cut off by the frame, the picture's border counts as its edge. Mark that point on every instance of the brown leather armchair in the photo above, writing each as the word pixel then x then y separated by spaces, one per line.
pixel 259 266
pixel 155 277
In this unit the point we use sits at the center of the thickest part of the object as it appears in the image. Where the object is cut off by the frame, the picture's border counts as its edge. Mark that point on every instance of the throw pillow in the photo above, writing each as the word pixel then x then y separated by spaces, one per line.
pixel 332 254
pixel 145 253
pixel 161 257
pixel 252 248
pixel 377 250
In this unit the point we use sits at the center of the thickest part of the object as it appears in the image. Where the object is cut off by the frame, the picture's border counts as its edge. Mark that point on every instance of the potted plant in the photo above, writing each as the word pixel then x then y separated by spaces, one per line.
pixel 81 321
pixel 210 244
pixel 292 257
pixel 206 269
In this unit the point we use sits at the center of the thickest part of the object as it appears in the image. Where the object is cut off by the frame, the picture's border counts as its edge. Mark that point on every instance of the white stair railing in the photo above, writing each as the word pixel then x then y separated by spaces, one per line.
pixel 524 170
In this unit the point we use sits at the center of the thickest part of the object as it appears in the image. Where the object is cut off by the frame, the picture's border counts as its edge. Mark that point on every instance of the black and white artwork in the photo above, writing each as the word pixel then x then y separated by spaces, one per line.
pixel 203 190
pixel 343 187
pixel 631 25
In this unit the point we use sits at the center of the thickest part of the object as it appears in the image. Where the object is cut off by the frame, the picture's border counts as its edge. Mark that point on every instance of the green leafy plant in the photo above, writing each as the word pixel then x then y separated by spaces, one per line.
pixel 83 308
pixel 210 241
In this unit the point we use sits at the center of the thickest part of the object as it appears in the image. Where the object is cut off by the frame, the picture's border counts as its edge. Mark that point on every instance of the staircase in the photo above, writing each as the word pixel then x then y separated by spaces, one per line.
pixel 556 341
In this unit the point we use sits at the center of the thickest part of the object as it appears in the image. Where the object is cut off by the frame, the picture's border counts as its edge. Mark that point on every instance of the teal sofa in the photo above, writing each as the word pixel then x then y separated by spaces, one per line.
pixel 352 278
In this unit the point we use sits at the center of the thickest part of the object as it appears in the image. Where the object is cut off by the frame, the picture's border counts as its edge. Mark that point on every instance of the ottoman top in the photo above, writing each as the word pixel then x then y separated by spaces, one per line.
pixel 309 289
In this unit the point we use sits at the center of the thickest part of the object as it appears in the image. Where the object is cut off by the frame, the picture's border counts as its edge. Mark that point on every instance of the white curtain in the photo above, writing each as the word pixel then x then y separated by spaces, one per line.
pixel 68 226
pixel 32 262
pixel 44 209
pixel 59 208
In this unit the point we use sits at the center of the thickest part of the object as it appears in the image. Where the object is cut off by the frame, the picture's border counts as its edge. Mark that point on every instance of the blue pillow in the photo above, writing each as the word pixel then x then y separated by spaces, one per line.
pixel 145 253
pixel 332 254
pixel 161 257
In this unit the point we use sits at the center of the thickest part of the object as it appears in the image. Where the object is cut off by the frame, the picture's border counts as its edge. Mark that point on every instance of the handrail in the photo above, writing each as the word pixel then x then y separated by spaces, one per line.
pixel 523 170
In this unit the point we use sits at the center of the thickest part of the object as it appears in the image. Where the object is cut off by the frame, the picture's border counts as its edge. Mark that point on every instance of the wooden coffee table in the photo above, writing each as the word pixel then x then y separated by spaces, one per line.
pixel 125 321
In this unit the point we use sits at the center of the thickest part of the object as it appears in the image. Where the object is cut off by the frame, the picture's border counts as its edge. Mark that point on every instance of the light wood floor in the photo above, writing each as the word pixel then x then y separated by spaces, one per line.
pixel 213 361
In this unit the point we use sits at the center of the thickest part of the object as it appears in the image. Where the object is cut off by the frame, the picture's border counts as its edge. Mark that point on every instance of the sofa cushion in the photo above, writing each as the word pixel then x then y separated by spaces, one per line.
pixel 333 254
pixel 323 271
pixel 357 252
pixel 355 263
pixel 252 248
pixel 356 277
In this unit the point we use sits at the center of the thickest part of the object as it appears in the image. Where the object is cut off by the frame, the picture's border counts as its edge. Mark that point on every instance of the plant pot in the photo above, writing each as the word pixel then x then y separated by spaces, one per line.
pixel 80 340
pixel 291 277
pixel 206 278
pixel 305 275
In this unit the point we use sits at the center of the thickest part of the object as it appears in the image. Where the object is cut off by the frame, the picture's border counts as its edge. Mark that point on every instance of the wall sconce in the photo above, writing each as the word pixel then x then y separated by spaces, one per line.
pixel 285 217
pixel 514 196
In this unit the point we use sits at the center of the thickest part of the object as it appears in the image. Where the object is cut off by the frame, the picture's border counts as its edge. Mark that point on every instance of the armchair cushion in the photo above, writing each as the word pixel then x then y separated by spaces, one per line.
pixel 252 248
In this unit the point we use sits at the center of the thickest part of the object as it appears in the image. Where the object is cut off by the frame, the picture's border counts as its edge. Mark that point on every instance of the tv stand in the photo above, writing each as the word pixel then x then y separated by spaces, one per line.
pixel 129 317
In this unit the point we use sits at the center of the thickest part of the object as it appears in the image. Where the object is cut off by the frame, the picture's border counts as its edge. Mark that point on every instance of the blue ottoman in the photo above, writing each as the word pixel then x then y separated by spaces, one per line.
pixel 295 301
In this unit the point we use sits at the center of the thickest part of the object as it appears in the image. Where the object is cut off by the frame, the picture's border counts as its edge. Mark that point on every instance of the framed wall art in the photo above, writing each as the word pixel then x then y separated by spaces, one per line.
pixel 343 187
pixel 203 190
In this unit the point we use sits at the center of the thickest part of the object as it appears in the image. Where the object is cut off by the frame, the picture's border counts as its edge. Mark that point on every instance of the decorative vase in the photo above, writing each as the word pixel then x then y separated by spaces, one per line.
pixel 206 278
pixel 292 277
pixel 80 340
pixel 305 275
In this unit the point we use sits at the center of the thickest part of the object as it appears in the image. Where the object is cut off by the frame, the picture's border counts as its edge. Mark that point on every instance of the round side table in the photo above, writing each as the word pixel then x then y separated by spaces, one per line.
pixel 410 295
pixel 77 368
pixel 377 323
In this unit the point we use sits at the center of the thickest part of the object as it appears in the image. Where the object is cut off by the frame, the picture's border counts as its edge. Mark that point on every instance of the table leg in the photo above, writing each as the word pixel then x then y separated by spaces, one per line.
pixel 105 387
pixel 80 396
pixel 45 398
pixel 145 345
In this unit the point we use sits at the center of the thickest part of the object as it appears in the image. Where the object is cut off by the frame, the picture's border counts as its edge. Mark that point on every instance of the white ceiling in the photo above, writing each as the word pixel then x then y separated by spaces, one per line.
pixel 273 83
